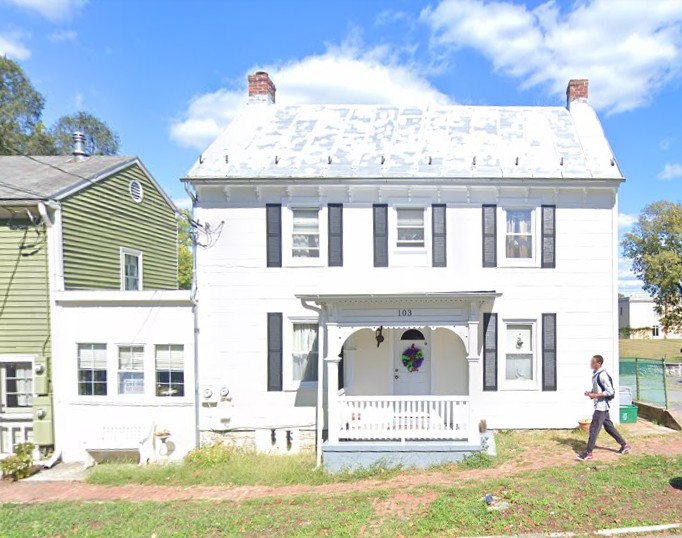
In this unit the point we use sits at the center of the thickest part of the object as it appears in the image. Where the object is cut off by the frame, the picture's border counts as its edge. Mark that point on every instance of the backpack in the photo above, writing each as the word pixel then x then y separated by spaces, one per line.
pixel 601 386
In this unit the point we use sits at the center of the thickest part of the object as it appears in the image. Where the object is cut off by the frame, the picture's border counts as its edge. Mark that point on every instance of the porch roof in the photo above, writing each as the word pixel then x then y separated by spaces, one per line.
pixel 445 295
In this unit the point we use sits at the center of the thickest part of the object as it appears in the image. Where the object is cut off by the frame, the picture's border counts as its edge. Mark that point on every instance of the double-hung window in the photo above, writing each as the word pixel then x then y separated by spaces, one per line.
pixel 16 387
pixel 92 369
pixel 519 234
pixel 305 239
pixel 519 367
pixel 410 227
pixel 131 270
pixel 131 370
pixel 170 370
pixel 305 352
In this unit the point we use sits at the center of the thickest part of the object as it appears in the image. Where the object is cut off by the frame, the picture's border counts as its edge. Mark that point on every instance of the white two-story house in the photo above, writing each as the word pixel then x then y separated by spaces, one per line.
pixel 387 277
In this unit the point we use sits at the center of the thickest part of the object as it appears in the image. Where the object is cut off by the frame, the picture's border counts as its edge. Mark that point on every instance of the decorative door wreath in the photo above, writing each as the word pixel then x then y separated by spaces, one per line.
pixel 413 357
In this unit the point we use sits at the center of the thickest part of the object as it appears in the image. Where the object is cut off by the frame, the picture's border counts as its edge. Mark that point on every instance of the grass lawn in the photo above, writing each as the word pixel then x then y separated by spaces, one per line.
pixel 651 349
pixel 634 491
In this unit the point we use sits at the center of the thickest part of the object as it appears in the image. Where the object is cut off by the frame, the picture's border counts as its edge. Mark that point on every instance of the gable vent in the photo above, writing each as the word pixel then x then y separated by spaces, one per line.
pixel 135 190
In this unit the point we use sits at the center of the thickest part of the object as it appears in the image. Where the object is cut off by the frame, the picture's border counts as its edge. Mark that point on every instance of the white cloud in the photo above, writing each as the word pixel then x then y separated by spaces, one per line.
pixel 54 10
pixel 63 36
pixel 627 281
pixel 671 171
pixel 344 74
pixel 626 220
pixel 11 46
pixel 628 49
pixel 183 203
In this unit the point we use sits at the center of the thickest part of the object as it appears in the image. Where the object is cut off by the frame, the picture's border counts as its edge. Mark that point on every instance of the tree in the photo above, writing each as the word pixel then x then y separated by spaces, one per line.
pixel 185 262
pixel 21 107
pixel 99 138
pixel 655 247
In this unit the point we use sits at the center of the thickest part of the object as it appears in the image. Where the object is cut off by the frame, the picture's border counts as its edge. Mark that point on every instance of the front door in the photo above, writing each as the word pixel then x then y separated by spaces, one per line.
pixel 411 363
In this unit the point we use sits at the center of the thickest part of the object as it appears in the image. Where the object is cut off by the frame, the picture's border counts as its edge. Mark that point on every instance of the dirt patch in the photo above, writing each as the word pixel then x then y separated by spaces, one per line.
pixel 402 506
pixel 554 451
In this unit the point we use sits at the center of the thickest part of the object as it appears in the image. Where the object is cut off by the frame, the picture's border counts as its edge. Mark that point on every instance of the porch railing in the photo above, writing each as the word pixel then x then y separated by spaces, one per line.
pixel 14 430
pixel 403 418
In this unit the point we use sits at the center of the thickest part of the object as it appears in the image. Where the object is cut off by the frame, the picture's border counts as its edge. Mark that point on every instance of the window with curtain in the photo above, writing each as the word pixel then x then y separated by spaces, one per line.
pixel 519 234
pixel 305 239
pixel 519 352
pixel 305 352
pixel 410 228
pixel 131 370
pixel 16 382
pixel 170 370
pixel 92 369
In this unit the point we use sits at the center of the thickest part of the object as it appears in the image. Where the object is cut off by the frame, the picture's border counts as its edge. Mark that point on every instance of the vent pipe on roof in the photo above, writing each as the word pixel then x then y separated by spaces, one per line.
pixel 578 90
pixel 79 152
pixel 261 88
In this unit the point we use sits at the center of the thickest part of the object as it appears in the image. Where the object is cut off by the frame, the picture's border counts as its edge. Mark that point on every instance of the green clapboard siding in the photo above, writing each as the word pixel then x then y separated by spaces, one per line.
pixel 24 285
pixel 102 218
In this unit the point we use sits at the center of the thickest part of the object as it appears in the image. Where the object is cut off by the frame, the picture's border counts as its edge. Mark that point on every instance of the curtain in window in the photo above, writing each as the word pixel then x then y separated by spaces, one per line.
pixel 170 374
pixel 306 236
pixel 19 385
pixel 411 227
pixel 305 352
pixel 131 364
pixel 92 356
pixel 519 234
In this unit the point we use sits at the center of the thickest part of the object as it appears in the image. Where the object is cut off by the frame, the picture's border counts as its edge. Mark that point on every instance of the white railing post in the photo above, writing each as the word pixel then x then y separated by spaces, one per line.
pixel 333 418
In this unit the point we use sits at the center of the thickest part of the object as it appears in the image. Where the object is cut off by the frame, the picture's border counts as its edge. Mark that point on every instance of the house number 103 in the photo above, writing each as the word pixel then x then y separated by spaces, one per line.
pixel 405 313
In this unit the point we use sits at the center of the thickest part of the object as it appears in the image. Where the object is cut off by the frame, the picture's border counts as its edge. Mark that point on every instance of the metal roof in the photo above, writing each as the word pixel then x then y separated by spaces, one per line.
pixel 44 178
pixel 376 141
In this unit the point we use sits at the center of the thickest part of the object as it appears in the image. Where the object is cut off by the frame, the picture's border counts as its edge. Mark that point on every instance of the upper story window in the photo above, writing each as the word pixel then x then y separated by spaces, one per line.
pixel 131 270
pixel 92 369
pixel 410 227
pixel 305 237
pixel 519 234
pixel 131 370
pixel 16 387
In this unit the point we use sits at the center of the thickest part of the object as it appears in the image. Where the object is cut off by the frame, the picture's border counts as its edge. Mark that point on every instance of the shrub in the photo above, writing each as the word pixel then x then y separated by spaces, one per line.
pixel 18 465
pixel 209 455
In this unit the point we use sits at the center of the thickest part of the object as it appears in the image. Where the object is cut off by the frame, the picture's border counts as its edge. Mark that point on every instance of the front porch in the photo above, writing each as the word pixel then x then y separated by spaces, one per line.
pixel 398 391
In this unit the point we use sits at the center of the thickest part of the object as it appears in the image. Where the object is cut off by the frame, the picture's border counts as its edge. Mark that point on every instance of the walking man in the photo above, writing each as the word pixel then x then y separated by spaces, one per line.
pixel 601 394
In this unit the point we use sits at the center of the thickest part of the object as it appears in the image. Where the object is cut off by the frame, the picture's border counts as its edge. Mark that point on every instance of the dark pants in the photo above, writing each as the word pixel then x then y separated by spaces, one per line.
pixel 599 419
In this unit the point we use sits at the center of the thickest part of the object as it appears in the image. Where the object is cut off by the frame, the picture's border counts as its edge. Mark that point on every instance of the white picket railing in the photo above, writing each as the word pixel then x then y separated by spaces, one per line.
pixel 14 431
pixel 403 417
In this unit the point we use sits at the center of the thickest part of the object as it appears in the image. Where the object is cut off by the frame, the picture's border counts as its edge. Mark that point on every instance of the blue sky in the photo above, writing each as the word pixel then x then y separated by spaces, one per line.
pixel 167 75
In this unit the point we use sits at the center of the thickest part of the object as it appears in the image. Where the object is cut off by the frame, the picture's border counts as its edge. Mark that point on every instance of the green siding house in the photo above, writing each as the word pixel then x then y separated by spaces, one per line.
pixel 69 223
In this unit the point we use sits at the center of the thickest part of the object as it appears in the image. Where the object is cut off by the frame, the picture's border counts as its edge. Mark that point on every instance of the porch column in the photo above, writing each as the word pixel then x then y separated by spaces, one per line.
pixel 475 371
pixel 332 398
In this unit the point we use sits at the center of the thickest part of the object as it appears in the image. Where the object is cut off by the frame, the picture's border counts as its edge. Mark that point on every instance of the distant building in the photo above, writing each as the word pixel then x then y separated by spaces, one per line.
pixel 637 318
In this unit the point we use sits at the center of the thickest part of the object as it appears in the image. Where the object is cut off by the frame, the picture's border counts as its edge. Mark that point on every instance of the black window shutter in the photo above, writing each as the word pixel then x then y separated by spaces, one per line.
pixel 335 235
pixel 274 351
pixel 549 375
pixel 274 234
pixel 380 235
pixel 489 236
pixel 489 352
pixel 439 256
pixel 549 236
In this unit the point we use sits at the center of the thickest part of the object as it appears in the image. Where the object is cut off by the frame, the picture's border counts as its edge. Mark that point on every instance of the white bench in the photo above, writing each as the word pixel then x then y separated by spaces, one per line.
pixel 128 438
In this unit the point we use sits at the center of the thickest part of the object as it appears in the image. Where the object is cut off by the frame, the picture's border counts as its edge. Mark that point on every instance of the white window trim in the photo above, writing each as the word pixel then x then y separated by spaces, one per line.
pixel 412 256
pixel 185 380
pixel 503 261
pixel 112 384
pixel 131 252
pixel 518 384
pixel 288 259
pixel 7 359
pixel 288 383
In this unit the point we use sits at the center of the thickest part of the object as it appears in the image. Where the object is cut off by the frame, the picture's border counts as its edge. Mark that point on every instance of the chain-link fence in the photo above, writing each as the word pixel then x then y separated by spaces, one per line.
pixel 646 380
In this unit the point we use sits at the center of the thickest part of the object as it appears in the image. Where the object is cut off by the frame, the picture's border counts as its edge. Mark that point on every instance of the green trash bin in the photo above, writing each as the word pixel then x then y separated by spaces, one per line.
pixel 628 414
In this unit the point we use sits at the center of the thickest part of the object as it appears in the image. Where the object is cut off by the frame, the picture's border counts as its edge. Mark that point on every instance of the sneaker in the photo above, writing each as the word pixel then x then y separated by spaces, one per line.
pixel 625 449
pixel 585 456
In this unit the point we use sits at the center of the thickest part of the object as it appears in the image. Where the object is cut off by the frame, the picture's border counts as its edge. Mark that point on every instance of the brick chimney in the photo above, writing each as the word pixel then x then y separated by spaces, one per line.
pixel 261 88
pixel 577 91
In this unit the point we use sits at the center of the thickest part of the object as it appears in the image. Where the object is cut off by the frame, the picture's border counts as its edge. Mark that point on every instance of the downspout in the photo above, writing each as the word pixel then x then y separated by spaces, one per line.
pixel 319 414
pixel 195 314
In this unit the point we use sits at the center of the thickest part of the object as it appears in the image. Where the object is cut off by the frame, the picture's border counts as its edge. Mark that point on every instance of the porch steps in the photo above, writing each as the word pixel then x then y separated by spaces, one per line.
pixel 352 455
